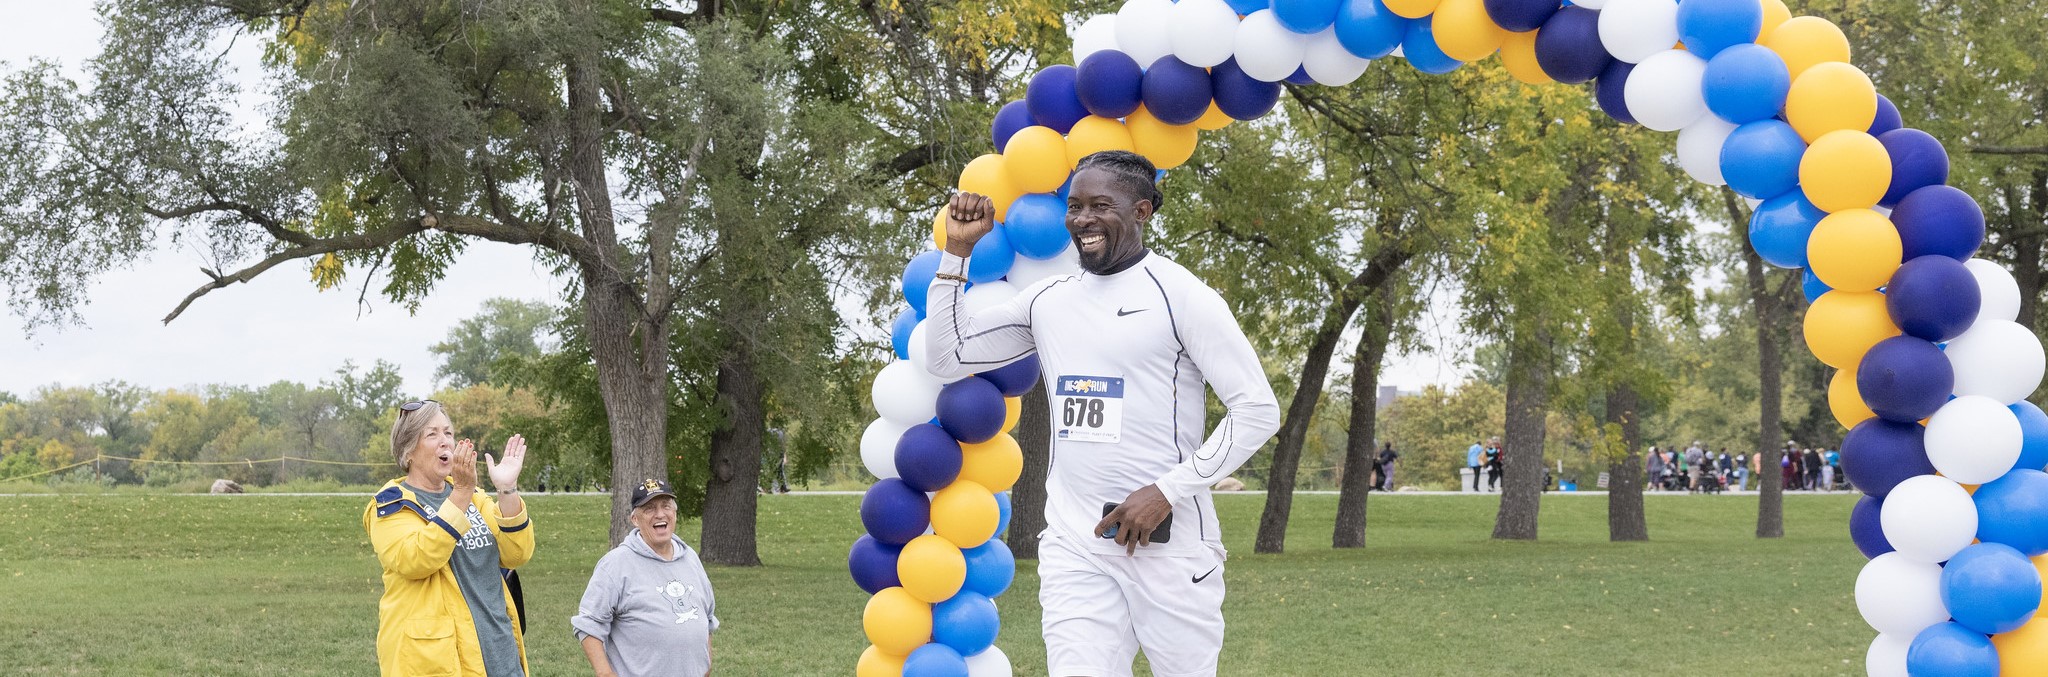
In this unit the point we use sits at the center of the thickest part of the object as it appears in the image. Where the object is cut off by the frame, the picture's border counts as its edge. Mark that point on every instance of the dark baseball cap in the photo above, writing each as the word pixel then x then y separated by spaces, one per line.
pixel 651 489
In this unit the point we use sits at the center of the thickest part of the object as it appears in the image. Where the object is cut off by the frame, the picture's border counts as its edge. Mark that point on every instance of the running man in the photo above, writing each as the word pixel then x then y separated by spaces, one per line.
pixel 1131 557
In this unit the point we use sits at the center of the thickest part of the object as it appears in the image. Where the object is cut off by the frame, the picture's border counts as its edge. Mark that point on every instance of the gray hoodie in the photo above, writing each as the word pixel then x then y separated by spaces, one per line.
pixel 654 616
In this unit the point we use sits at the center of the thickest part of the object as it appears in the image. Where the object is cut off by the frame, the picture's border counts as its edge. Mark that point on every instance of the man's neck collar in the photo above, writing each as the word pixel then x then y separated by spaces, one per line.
pixel 1126 264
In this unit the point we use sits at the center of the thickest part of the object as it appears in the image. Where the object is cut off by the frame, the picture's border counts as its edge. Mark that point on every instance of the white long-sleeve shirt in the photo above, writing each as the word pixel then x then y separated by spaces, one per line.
pixel 1123 358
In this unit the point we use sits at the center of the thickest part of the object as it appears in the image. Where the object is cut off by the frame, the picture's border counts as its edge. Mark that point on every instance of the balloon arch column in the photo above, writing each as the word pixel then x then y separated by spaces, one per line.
pixel 1932 368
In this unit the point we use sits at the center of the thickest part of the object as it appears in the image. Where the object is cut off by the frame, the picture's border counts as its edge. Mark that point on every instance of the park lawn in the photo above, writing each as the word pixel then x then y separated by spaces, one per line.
pixel 277 585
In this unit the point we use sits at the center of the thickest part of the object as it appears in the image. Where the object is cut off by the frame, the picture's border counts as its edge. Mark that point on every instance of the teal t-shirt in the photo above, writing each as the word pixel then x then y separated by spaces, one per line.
pixel 475 563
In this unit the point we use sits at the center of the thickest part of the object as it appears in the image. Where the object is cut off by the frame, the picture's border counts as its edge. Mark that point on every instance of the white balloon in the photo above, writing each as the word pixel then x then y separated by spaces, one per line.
pixel 1928 518
pixel 1203 32
pixel 1141 30
pixel 920 357
pixel 1699 148
pixel 1028 271
pixel 1887 655
pixel 1663 92
pixel 1999 294
pixel 1635 30
pixel 1898 596
pixel 1397 52
pixel 906 394
pixel 1329 62
pixel 991 662
pixel 1973 439
pixel 878 447
pixel 1266 50
pixel 988 295
pixel 1882 210
pixel 1591 4
pixel 1096 34
pixel 1997 359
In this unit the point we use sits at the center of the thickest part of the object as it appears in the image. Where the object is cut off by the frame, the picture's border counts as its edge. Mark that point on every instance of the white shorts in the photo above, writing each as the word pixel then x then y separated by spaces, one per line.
pixel 1101 609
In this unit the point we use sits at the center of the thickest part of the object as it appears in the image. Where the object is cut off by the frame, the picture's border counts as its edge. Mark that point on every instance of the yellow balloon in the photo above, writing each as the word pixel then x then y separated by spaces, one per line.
pixel 2025 651
pixel 963 512
pixel 1518 53
pixel 876 663
pixel 896 622
pixel 990 175
pixel 994 464
pixel 1842 325
pixel 1037 159
pixel 1013 409
pixel 931 568
pixel 1854 250
pixel 939 230
pixel 1464 30
pixel 1094 134
pixel 1167 146
pixel 1214 119
pixel 1845 401
pixel 1845 169
pixel 1806 41
pixel 1775 14
pixel 1828 97
pixel 1412 9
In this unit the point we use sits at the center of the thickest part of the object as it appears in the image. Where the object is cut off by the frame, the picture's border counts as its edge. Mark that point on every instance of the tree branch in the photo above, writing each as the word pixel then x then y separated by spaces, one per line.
pixel 369 240
pixel 2008 150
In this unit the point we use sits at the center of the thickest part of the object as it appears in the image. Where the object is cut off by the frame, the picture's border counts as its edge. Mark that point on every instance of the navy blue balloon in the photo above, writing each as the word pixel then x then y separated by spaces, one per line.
pixel 1939 220
pixel 1609 91
pixel 917 279
pixel 1037 226
pixel 1422 52
pixel 1175 92
pixel 1865 529
pixel 1244 7
pixel 1709 26
pixel 1015 378
pixel 967 622
pixel 1887 117
pixel 1746 83
pixel 1520 16
pixel 1878 454
pixel 971 410
pixel 1002 513
pixel 1305 16
pixel 935 660
pixel 894 512
pixel 1918 161
pixel 1568 47
pixel 1812 287
pixel 899 333
pixel 1053 98
pixel 1300 76
pixel 2013 510
pixel 992 257
pixel 1779 228
pixel 1904 379
pixel 1950 650
pixel 2033 436
pixel 1368 29
pixel 990 567
pixel 1241 96
pixel 873 564
pixel 1933 297
pixel 1013 117
pixel 1990 588
pixel 1760 159
pixel 1108 83
pixel 927 457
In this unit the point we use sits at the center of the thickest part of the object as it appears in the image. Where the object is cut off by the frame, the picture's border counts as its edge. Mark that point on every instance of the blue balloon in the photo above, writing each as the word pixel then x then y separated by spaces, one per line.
pixel 1990 588
pixel 1015 378
pixel 1939 220
pixel 1241 96
pixel 1002 513
pixel 1904 379
pixel 1866 530
pixel 1010 119
pixel 935 660
pixel 1420 47
pixel 873 564
pixel 1108 83
pixel 1709 26
pixel 991 258
pixel 894 512
pixel 1951 650
pixel 1779 228
pixel 1746 83
pixel 1568 47
pixel 1053 99
pixel 1813 287
pixel 1175 92
pixel 1520 16
pixel 2013 510
pixel 971 410
pixel 1305 16
pixel 1609 90
pixel 1918 161
pixel 1367 29
pixel 967 622
pixel 899 333
pixel 1887 117
pixel 1933 297
pixel 1878 454
pixel 1243 7
pixel 990 567
pixel 927 457
pixel 1300 76
pixel 2033 435
pixel 1760 160
pixel 917 279
pixel 1037 227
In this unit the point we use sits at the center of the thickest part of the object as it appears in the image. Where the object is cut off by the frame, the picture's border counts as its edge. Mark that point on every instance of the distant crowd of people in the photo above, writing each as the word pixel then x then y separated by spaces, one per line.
pixel 1696 469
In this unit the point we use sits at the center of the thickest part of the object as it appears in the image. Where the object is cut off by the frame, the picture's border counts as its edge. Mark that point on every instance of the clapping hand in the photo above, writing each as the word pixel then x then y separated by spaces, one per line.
pixel 505 473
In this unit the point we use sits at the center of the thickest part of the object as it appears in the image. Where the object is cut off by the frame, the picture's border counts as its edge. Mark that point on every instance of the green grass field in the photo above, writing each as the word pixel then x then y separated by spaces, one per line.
pixel 273 585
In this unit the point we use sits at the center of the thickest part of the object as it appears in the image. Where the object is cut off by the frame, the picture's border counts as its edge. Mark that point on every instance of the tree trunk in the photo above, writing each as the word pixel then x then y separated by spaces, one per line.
pixel 1522 460
pixel 731 495
pixel 1770 367
pixel 1308 392
pixel 1358 453
pixel 1027 496
pixel 1625 520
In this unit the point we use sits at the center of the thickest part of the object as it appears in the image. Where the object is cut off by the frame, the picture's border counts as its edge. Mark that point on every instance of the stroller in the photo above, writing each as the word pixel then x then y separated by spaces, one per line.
pixel 1710 483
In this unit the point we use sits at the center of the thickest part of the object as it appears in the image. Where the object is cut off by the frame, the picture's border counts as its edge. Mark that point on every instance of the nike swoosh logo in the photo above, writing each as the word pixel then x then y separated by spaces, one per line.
pixel 1121 312
pixel 1198 579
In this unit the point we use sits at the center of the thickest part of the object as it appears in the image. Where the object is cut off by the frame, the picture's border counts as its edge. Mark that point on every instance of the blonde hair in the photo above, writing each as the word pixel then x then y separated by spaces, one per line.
pixel 405 432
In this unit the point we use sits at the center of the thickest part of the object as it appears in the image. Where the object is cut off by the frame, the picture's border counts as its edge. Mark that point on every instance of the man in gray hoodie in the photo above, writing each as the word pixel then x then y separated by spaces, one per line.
pixel 648 609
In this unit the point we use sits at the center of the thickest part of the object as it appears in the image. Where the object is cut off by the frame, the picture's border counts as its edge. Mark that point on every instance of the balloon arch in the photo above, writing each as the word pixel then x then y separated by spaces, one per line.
pixel 1932 369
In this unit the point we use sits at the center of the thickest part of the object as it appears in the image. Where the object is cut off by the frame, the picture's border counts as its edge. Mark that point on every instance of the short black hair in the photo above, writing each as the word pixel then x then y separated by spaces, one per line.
pixel 1133 173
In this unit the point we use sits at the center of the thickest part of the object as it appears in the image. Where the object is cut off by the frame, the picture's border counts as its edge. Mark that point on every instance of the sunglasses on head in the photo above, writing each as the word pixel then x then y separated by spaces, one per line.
pixel 414 405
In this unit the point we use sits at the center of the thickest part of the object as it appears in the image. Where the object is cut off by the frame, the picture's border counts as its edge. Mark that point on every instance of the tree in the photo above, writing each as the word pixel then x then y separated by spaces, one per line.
pixel 505 328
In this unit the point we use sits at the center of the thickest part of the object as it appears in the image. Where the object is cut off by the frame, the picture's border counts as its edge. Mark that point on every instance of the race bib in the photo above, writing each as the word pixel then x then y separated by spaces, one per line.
pixel 1090 408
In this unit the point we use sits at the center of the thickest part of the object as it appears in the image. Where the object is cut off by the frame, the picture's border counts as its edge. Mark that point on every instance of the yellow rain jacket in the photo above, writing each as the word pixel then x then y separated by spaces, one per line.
pixel 423 626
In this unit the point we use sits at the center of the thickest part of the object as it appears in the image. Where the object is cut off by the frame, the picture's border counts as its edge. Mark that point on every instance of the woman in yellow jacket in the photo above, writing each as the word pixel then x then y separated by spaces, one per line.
pixel 444 546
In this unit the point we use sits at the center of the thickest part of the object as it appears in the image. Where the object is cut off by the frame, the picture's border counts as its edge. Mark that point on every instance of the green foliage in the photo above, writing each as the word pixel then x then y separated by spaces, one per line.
pixel 505 329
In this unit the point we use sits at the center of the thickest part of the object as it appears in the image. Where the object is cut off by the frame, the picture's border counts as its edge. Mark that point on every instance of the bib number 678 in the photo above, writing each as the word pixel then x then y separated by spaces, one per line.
pixel 1082 412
